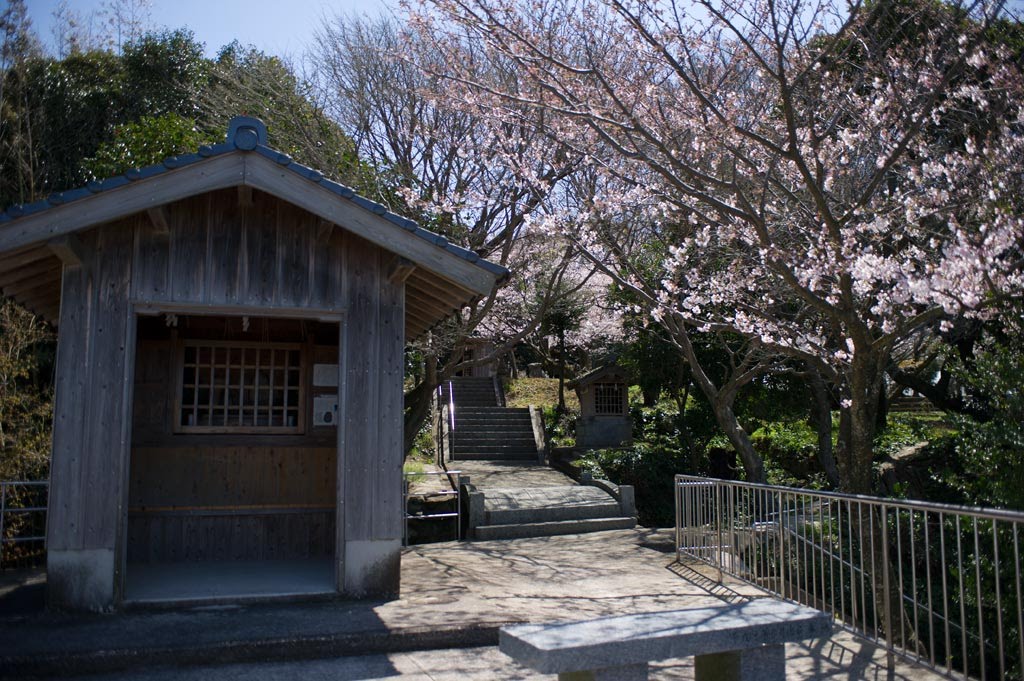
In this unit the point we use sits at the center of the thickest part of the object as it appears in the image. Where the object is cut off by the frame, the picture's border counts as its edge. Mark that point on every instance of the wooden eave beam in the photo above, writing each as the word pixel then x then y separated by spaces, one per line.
pixel 19 287
pixel 420 318
pixel 68 248
pixel 32 289
pixel 24 257
pixel 324 230
pixel 50 309
pixel 460 295
pixel 412 300
pixel 427 294
pixel 158 216
pixel 399 269
pixel 414 331
pixel 40 268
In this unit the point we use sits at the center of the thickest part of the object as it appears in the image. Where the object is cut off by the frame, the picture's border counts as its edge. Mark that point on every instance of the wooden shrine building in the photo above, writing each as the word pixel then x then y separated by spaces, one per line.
pixel 228 406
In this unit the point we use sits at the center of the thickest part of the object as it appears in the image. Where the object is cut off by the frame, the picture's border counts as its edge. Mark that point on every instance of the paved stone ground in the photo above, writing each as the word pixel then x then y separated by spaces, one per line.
pixel 503 474
pixel 450 591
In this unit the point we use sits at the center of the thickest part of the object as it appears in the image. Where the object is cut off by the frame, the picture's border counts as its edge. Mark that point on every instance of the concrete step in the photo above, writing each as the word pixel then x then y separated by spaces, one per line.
pixel 521 455
pixel 498 435
pixel 495 413
pixel 551 529
pixel 494 447
pixel 510 506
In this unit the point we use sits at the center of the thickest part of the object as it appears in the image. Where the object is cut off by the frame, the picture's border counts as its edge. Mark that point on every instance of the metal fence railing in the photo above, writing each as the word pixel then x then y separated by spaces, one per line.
pixel 22 523
pixel 940 584
pixel 451 492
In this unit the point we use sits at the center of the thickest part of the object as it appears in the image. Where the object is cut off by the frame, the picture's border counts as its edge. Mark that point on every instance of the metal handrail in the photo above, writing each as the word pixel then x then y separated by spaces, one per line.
pixel 938 583
pixel 6 510
pixel 451 420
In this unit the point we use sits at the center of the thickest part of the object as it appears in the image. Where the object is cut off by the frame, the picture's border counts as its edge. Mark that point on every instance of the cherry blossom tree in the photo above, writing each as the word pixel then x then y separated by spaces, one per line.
pixel 433 156
pixel 828 179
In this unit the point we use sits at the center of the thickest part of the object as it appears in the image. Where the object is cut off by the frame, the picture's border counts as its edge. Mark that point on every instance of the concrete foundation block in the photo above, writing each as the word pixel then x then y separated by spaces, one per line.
pixel 80 579
pixel 767 663
pixel 372 568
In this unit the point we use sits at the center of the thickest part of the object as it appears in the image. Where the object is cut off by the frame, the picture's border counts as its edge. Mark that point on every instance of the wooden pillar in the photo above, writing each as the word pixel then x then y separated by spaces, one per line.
pixel 95 351
pixel 370 452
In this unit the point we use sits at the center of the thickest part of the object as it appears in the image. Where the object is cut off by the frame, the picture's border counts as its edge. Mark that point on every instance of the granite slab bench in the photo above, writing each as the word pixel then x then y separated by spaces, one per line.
pixel 733 642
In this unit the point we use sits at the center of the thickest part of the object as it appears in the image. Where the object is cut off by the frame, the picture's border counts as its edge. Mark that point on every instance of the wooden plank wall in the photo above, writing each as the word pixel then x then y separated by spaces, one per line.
pixel 218 251
pixel 217 503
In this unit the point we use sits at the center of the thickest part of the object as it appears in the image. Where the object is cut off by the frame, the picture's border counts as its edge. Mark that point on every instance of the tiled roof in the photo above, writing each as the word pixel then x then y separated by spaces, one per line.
pixel 247 134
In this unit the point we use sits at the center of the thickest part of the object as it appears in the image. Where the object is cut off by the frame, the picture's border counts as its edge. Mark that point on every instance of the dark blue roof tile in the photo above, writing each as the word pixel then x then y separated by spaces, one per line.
pixel 113 183
pixel 94 186
pixel 133 174
pixel 55 199
pixel 34 207
pixel 76 194
pixel 150 171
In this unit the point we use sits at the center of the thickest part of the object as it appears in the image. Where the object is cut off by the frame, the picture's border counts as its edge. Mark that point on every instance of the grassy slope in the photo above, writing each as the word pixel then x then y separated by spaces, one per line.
pixel 540 392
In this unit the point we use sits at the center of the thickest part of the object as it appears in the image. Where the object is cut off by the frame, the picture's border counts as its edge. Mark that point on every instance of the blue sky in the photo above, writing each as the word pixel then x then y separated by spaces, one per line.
pixel 281 27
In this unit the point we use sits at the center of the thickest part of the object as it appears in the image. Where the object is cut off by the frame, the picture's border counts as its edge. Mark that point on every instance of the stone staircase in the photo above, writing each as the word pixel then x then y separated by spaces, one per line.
pixel 510 492
pixel 484 430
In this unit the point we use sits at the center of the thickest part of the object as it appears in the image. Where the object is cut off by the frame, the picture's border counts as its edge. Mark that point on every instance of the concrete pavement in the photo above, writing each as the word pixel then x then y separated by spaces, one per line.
pixel 455 596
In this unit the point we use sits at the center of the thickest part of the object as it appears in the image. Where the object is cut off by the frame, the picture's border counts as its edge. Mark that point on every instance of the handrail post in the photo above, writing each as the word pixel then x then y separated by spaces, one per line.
pixel 451 420
pixel 886 605
pixel 679 517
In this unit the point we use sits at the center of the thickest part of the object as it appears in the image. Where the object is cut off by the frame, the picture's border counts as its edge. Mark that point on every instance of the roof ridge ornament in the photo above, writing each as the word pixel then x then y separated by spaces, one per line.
pixel 246 132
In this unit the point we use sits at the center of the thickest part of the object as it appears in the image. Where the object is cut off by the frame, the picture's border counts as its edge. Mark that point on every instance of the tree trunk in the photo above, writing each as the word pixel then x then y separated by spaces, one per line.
pixel 821 419
pixel 417 403
pixel 561 373
pixel 858 422
pixel 721 404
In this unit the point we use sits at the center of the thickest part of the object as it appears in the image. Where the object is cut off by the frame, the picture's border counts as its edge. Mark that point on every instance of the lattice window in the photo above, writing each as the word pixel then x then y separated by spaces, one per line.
pixel 608 398
pixel 240 387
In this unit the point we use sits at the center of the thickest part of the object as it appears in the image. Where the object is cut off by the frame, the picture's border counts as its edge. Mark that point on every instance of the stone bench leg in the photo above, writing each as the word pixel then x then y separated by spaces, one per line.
pixel 630 672
pixel 767 663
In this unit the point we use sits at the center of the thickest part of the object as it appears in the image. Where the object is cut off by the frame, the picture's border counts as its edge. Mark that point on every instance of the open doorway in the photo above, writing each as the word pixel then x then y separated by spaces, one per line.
pixel 233 471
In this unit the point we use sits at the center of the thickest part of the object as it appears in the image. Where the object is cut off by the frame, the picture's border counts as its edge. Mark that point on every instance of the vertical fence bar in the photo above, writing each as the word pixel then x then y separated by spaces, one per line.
pixel 915 632
pixel 977 590
pixel 999 600
pixel 928 587
pixel 945 592
pixel 678 496
pixel 899 577
pixel 963 606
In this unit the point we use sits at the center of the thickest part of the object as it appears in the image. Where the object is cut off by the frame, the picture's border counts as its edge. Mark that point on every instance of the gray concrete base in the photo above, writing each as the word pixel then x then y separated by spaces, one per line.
pixel 372 568
pixel 629 672
pixel 754 664
pixel 80 579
